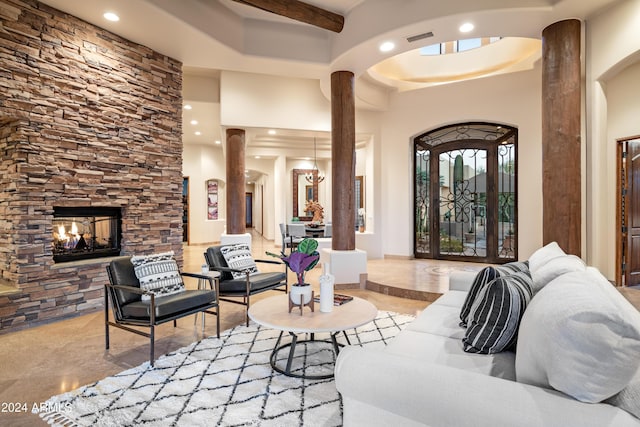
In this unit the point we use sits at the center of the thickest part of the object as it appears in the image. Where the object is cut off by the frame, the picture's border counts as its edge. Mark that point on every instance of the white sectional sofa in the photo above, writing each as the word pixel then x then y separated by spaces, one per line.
pixel 575 362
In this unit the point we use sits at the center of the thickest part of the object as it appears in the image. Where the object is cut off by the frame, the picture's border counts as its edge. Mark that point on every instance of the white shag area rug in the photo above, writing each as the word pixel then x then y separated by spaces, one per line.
pixel 224 381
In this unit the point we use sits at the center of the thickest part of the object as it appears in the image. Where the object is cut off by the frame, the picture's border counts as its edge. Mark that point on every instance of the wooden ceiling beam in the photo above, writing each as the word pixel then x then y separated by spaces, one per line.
pixel 300 11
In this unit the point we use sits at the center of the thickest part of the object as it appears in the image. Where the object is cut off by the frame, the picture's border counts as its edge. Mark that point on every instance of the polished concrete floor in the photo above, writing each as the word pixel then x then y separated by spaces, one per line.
pixel 43 361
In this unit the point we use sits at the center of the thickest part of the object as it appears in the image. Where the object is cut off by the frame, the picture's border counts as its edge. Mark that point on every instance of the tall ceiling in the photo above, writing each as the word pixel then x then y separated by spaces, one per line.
pixel 213 35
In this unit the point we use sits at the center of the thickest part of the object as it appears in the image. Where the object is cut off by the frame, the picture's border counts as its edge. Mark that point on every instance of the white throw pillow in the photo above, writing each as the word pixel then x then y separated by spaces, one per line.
pixel 544 255
pixel 580 336
pixel 158 274
pixel 555 267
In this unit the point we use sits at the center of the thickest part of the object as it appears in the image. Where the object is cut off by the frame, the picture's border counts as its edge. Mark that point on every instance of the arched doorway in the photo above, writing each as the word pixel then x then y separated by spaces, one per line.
pixel 465 187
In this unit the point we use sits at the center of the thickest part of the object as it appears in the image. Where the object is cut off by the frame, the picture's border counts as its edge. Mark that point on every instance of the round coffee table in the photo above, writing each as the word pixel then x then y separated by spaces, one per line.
pixel 273 313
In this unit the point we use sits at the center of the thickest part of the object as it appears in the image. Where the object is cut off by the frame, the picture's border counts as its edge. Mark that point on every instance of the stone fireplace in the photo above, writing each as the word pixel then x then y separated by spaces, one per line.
pixel 88 121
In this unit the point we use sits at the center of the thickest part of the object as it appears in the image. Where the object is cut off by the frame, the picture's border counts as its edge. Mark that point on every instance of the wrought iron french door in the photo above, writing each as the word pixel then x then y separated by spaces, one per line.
pixel 465 193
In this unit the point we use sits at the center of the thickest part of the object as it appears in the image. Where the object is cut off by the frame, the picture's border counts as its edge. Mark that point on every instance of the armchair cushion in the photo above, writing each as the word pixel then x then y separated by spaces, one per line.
pixel 239 258
pixel 169 305
pixel 258 282
pixel 158 273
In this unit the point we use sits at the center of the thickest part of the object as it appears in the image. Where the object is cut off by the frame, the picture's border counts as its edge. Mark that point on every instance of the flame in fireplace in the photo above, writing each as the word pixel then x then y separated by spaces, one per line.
pixel 71 240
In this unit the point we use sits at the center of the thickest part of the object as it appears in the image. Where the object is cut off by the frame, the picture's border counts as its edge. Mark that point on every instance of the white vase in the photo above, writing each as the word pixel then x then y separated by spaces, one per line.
pixel 297 290
pixel 326 292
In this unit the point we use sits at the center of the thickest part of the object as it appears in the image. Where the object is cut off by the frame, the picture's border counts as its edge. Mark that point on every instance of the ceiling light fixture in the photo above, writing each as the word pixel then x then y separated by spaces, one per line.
pixel 466 27
pixel 272 132
pixel 194 122
pixel 110 16
pixel 387 46
pixel 187 106
pixel 218 141
pixel 257 157
pixel 198 133
pixel 314 175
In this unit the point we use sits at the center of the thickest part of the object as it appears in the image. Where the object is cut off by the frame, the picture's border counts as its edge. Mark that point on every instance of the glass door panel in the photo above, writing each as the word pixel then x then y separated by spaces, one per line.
pixel 506 201
pixel 422 205
pixel 462 202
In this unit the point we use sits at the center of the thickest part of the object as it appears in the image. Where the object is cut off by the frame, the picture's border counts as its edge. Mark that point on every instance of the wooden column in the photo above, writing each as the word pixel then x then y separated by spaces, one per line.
pixel 561 138
pixel 235 182
pixel 343 160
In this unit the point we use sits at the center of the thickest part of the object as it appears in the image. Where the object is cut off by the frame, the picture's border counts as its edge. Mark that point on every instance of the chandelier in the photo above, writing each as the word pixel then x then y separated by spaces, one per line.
pixel 314 175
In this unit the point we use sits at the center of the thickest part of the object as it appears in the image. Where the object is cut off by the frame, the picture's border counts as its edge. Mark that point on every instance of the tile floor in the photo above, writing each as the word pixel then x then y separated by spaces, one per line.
pixel 43 361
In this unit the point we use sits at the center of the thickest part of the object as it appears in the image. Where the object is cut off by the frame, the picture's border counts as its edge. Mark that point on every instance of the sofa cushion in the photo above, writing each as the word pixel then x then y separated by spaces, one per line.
pixel 451 299
pixel 158 273
pixel 438 319
pixel 495 314
pixel 441 350
pixel 544 255
pixel 484 277
pixel 555 267
pixel 239 257
pixel 580 336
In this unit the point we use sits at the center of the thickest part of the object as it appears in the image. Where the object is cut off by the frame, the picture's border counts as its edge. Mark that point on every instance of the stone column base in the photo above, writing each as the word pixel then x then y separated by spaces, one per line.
pixel 348 267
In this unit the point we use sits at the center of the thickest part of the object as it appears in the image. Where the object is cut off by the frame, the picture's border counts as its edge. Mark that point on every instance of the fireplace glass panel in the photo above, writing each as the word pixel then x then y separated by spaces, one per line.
pixel 84 233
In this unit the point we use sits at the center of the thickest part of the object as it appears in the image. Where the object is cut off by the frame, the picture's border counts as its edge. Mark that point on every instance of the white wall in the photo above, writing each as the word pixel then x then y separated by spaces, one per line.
pixel 202 163
pixel 512 99
pixel 258 100
pixel 612 45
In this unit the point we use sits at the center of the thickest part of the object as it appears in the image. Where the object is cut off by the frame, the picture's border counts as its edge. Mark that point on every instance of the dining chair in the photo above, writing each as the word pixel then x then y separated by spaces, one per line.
pixel 287 240
pixel 298 230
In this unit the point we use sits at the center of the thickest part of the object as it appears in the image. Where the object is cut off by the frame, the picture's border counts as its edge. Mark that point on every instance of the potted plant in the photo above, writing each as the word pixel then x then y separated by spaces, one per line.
pixel 300 260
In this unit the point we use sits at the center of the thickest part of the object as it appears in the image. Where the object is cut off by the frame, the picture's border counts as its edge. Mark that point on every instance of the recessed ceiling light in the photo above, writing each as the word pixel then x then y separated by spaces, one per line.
pixel 217 141
pixel 194 122
pixel 387 46
pixel 198 133
pixel 110 16
pixel 257 157
pixel 466 27
pixel 272 132
pixel 187 106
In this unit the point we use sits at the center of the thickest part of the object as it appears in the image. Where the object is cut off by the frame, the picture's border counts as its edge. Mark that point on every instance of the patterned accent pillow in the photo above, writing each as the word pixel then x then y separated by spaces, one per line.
pixel 239 257
pixel 495 314
pixel 484 277
pixel 158 273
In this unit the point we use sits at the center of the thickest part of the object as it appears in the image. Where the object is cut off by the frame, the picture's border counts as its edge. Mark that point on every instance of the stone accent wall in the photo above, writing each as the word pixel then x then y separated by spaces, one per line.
pixel 87 118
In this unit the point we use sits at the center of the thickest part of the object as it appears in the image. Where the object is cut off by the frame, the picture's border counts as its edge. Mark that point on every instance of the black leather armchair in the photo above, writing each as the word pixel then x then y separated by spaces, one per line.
pixel 247 286
pixel 130 310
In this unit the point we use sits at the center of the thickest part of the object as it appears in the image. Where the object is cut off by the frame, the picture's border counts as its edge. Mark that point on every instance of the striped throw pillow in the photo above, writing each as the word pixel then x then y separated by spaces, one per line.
pixel 485 276
pixel 158 274
pixel 495 315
